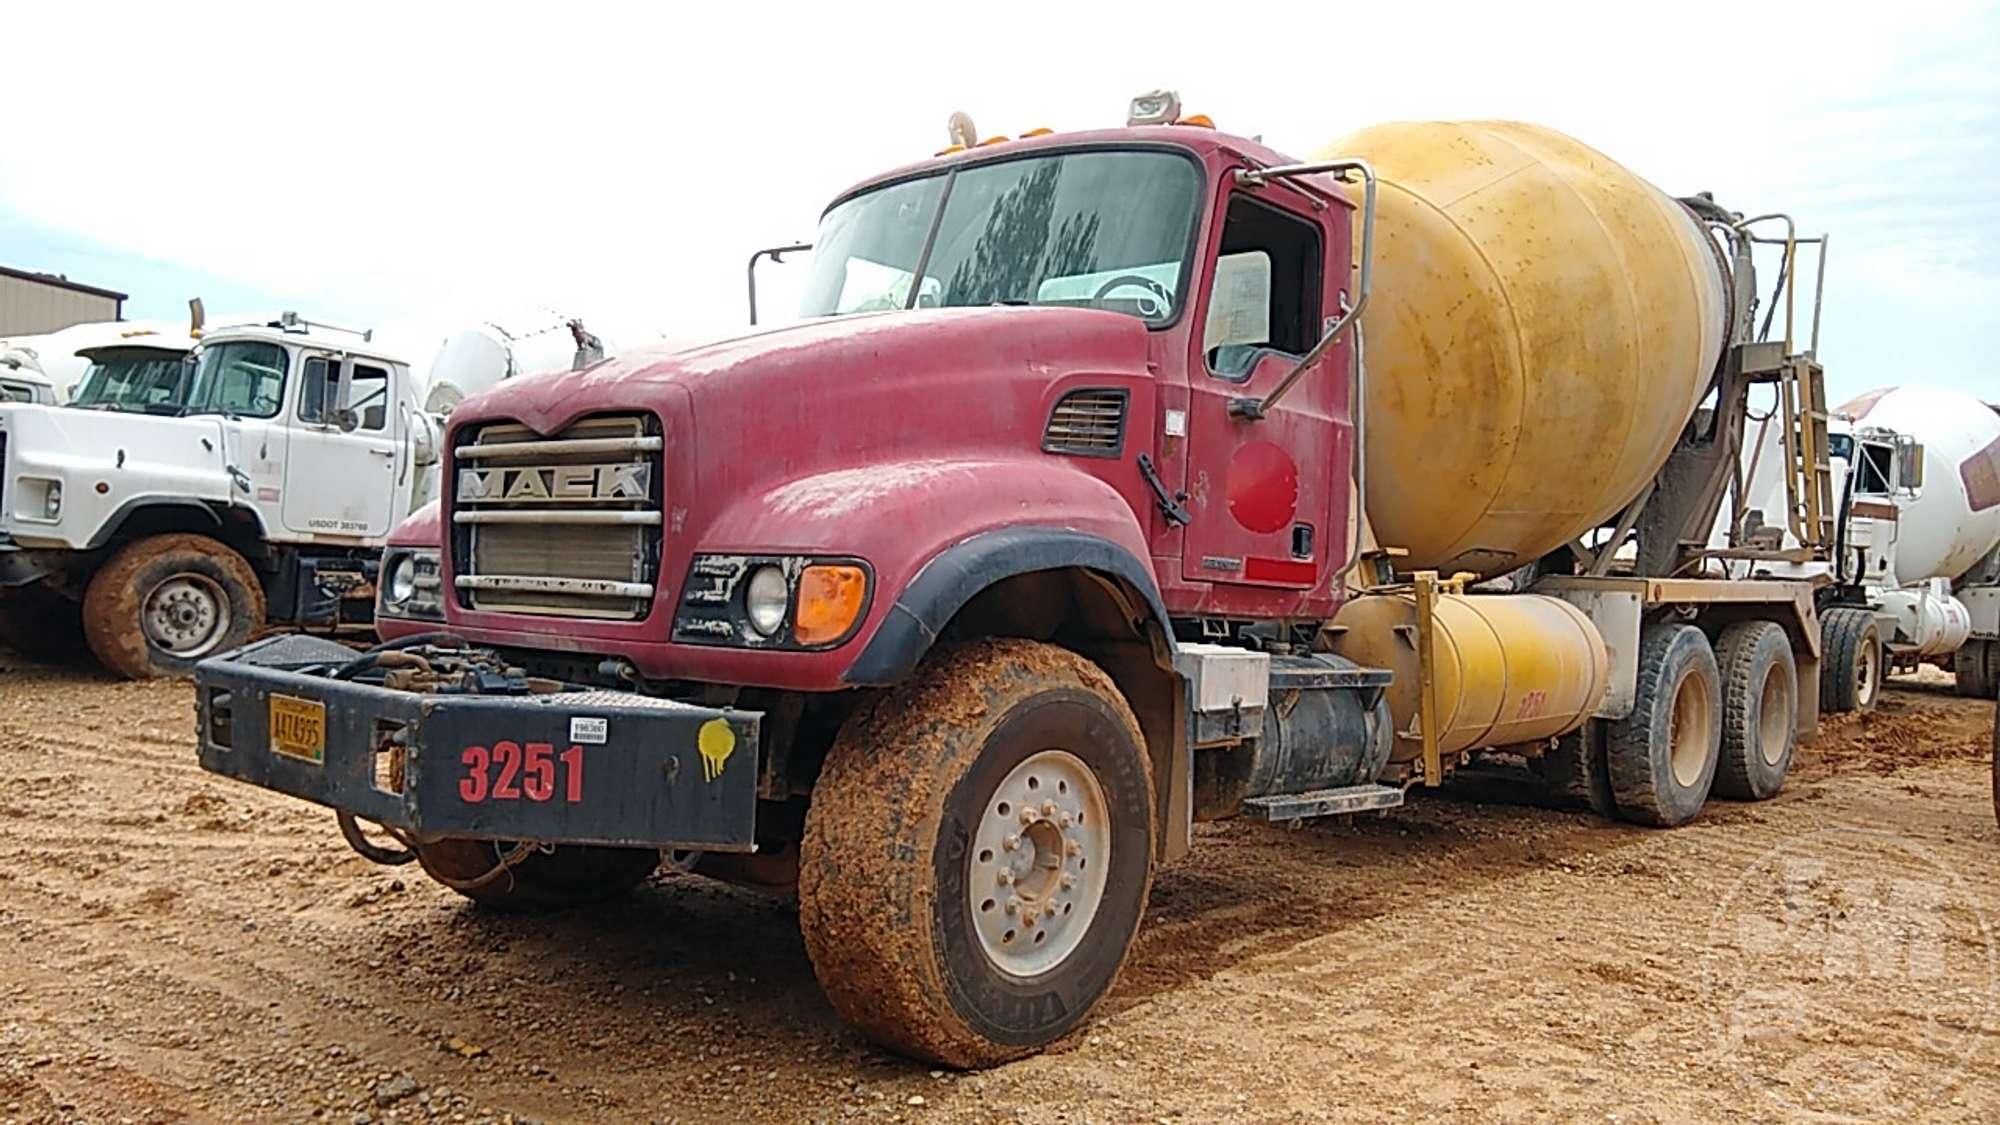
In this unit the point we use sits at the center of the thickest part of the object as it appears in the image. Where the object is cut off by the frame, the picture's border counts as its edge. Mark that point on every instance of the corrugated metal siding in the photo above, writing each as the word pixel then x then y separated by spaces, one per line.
pixel 29 308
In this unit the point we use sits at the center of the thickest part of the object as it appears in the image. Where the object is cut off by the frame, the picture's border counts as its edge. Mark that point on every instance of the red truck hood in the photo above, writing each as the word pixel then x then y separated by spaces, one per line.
pixel 830 362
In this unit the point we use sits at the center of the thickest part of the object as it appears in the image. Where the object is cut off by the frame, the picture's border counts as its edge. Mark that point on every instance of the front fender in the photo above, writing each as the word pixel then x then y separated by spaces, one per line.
pixel 959 572
pixel 110 465
pixel 936 532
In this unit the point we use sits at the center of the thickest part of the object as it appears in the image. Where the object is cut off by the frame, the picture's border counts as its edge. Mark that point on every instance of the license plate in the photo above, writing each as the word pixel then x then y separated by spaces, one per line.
pixel 298 728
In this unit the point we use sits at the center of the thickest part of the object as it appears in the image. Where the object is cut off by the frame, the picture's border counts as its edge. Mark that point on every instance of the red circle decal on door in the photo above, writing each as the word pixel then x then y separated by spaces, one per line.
pixel 1263 486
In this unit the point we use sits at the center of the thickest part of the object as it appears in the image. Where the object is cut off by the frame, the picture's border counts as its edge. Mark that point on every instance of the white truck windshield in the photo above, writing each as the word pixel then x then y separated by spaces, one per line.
pixel 1090 229
pixel 134 379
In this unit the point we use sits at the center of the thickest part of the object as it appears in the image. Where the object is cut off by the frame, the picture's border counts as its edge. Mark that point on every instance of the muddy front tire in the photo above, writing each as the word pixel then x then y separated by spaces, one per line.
pixel 161 604
pixel 571 875
pixel 978 854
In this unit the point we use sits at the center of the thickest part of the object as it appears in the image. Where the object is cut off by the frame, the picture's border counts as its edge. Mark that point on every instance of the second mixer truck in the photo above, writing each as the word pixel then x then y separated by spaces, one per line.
pixel 1118 480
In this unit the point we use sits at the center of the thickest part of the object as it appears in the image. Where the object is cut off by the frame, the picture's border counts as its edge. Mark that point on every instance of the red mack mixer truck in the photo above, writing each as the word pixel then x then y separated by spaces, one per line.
pixel 1116 480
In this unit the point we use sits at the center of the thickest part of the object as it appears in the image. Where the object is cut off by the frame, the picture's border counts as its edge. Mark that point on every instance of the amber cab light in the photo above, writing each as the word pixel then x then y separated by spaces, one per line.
pixel 830 600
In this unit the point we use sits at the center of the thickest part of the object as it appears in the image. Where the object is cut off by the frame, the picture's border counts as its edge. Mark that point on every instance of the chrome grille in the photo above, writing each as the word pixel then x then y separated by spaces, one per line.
pixel 566 525
pixel 1088 423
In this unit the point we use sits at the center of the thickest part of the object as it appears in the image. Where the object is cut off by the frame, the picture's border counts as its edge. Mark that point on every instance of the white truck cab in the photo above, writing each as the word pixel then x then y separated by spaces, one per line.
pixel 178 504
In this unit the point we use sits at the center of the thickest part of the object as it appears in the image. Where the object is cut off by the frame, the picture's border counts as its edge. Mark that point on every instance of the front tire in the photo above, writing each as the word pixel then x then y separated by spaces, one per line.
pixel 161 604
pixel 1850 660
pixel 1662 757
pixel 978 854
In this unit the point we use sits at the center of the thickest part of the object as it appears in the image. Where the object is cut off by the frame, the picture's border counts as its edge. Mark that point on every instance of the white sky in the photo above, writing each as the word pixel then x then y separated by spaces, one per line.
pixel 418 165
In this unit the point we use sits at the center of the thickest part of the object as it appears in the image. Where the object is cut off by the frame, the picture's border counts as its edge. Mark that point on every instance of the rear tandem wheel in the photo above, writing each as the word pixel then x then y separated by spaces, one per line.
pixel 1662 758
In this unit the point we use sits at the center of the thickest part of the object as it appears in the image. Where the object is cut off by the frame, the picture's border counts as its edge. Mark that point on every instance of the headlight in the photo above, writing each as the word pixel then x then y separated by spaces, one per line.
pixel 795 602
pixel 402 582
pixel 411 585
pixel 37 498
pixel 766 598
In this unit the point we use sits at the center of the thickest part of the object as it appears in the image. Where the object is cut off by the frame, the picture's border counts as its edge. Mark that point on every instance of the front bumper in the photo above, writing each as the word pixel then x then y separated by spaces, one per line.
pixel 585 767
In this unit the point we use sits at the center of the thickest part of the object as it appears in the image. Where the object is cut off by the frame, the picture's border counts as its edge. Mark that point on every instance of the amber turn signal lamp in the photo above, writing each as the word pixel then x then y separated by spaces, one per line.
pixel 830 601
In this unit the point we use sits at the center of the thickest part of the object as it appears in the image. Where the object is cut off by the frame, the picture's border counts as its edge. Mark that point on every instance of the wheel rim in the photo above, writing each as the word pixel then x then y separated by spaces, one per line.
pixel 185 616
pixel 1774 716
pixel 1688 731
pixel 1039 858
pixel 1866 678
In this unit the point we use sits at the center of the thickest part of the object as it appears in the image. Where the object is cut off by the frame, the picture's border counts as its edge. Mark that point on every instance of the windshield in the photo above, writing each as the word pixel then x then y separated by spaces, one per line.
pixel 139 379
pixel 243 378
pixel 1105 230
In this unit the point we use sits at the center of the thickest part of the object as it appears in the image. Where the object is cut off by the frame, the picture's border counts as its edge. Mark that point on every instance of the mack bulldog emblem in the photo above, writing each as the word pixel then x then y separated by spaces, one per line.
pixel 602 484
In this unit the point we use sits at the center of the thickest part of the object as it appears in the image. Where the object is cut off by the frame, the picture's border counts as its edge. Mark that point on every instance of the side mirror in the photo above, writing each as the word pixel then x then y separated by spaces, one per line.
pixel 1910 463
pixel 347 420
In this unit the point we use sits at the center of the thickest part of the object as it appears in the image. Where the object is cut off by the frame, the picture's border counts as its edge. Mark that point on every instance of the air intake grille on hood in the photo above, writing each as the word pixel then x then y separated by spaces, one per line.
pixel 1088 423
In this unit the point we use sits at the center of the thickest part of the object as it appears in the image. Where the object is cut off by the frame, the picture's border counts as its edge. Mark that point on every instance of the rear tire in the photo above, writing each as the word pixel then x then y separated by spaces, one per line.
pixel 42 626
pixel 1662 757
pixel 1850 660
pixel 1972 669
pixel 161 604
pixel 1760 710
pixel 571 875
pixel 1575 772
pixel 948 914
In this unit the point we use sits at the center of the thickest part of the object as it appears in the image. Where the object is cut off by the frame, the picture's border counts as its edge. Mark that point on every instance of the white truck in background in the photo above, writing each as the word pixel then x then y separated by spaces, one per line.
pixel 22 378
pixel 182 501
pixel 1915 571
pixel 178 506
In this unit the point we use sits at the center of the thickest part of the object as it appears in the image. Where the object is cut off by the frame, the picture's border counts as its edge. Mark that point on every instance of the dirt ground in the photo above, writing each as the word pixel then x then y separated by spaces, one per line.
pixel 179 947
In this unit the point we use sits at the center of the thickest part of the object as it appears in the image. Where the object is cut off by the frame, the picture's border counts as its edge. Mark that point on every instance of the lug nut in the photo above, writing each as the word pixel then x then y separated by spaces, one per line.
pixel 1010 843
pixel 1062 820
pixel 1074 849
pixel 1006 876
pixel 1013 906
pixel 1027 816
pixel 1068 881
pixel 1049 809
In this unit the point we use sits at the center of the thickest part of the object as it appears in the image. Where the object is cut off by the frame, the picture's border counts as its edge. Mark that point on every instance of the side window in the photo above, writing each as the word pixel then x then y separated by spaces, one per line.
pixel 368 396
pixel 1266 294
pixel 1873 471
pixel 248 378
pixel 319 391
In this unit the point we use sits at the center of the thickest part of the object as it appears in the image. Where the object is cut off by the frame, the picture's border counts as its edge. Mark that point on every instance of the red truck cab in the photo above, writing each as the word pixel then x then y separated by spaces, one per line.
pixel 1056 392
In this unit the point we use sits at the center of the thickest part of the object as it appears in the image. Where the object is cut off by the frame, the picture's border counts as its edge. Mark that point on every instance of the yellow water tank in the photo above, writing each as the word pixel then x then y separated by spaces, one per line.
pixel 1511 668
pixel 1542 325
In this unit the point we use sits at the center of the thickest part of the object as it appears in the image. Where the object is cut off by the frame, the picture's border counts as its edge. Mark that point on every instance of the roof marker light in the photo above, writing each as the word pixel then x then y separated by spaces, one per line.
pixel 1155 108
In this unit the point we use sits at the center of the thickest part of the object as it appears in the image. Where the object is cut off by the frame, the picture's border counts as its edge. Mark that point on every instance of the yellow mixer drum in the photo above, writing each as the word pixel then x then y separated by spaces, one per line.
pixel 1542 325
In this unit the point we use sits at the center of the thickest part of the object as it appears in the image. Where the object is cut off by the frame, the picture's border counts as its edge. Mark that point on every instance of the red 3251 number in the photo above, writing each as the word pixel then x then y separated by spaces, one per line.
pixel 512 772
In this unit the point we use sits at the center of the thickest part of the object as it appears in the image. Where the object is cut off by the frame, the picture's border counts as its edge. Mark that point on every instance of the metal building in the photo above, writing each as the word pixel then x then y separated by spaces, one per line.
pixel 34 303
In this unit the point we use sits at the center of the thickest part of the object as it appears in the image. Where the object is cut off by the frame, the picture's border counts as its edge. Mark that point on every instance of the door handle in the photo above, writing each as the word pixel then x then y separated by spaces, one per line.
pixel 380 452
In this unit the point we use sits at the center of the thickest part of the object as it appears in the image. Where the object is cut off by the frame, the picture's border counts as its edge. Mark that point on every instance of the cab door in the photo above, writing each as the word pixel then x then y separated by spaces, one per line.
pixel 1267 497
pixel 341 472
